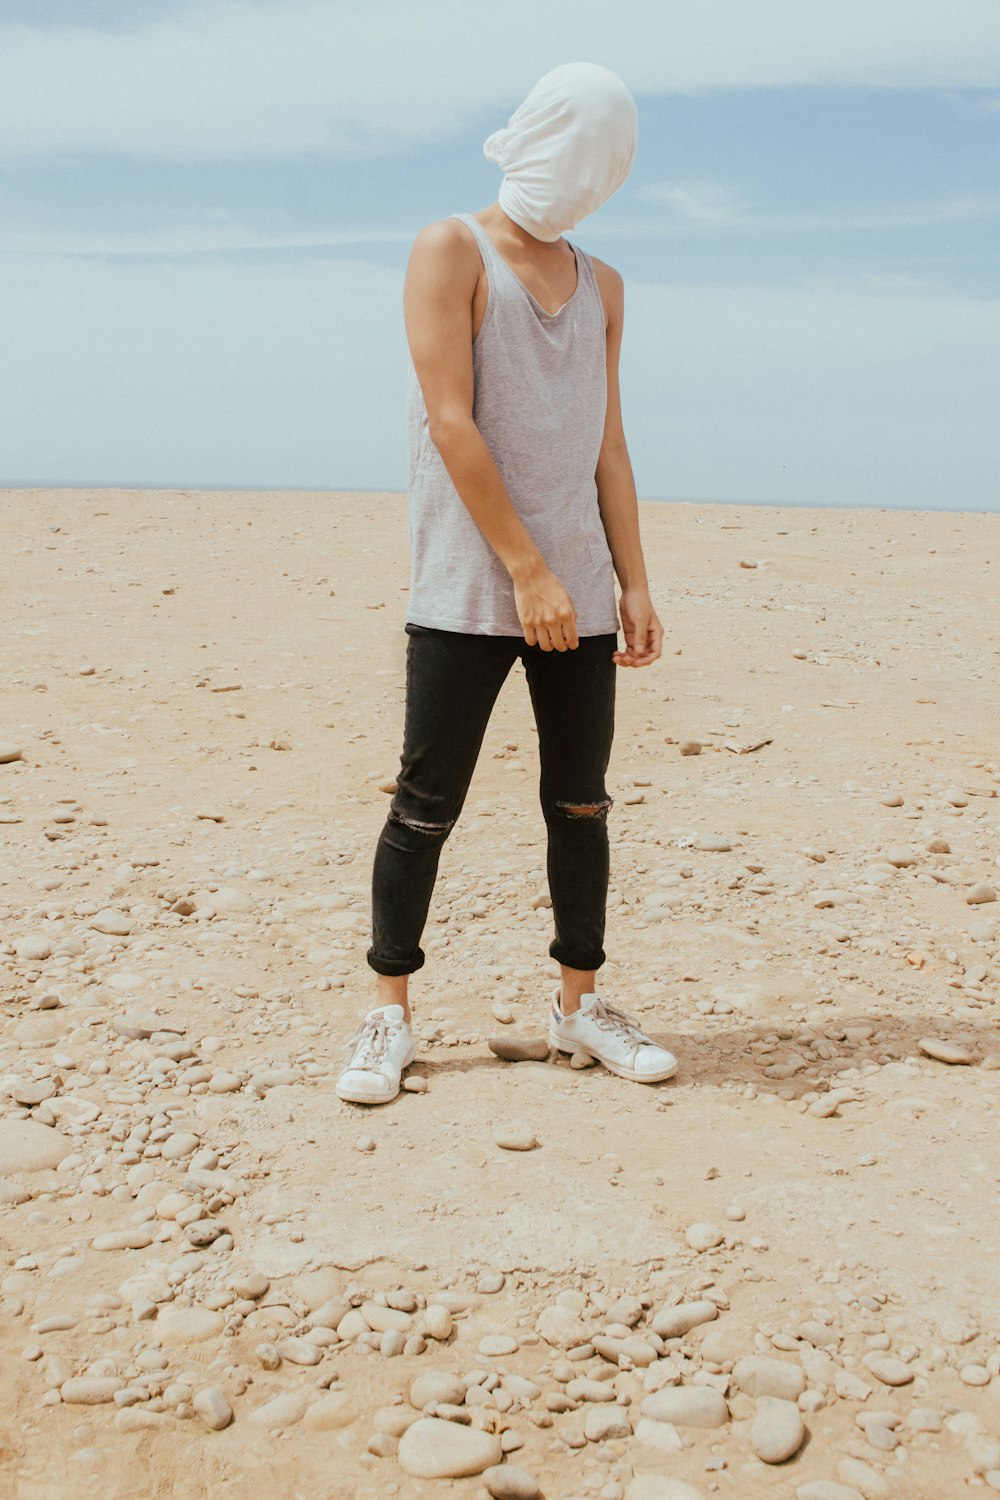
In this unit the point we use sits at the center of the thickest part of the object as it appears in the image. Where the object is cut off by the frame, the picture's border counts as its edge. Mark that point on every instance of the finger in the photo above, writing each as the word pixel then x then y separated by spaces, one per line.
pixel 570 632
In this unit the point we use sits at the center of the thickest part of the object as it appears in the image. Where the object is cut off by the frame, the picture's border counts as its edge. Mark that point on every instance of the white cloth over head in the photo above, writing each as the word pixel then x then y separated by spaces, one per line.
pixel 566 149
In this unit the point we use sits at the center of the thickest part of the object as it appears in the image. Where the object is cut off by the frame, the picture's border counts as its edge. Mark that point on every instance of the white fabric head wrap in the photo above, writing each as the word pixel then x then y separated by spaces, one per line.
pixel 567 148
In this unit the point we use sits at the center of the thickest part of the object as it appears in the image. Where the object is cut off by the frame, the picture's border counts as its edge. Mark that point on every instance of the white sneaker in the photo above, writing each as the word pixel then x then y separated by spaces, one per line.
pixel 611 1037
pixel 377 1053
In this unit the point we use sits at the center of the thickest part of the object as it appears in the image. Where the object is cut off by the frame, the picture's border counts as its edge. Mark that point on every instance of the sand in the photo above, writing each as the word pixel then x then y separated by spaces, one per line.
pixel 205 691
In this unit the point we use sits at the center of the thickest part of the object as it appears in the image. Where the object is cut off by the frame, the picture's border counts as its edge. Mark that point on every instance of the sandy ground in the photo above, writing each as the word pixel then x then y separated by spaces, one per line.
pixel 206 694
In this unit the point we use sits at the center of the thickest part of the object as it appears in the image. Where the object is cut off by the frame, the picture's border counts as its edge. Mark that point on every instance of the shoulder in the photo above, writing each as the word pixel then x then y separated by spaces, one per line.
pixel 448 244
pixel 610 285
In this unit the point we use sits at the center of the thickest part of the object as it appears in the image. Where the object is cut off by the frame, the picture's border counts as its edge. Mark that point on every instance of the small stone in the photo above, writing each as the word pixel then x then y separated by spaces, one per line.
pixel 945 1051
pixel 938 846
pixel 9 753
pixel 675 1322
pixel 687 1406
pixel 435 1449
pixel 438 1323
pixel 892 799
pixel 498 1345
pixel 383 1444
pixel 331 1413
pixel 114 923
pixel 224 1083
pixel 974 1375
pixel 180 1143
pixel 212 1407
pixel 899 857
pixel 581 1060
pixel 437 1386
pixel 392 1343
pixel 979 894
pixel 364 1143
pixel 890 1371
pixel 123 1239
pixel 519 1049
pixel 507 1482
pixel 516 1137
pixel 777 1431
pixel 956 797
pixel 188 1325
pixel 27 1146
pixel 90 1390
pixel 703 1236
pixel 281 1411
pixel 759 1375
pixel 713 843
pixel 252 1287
pixel 416 1083
pixel 605 1423
pixel 299 1351
pixel 865 1479
pixel 501 1013
pixel 491 1282
pixel 32 949
pixel 690 747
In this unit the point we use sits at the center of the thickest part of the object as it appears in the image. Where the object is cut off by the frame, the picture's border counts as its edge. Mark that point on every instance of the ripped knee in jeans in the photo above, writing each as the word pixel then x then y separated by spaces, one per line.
pixel 418 826
pixel 585 809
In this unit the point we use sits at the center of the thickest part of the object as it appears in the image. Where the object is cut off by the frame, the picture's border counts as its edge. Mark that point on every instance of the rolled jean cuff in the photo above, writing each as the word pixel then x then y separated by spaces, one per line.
pixel 578 960
pixel 395 966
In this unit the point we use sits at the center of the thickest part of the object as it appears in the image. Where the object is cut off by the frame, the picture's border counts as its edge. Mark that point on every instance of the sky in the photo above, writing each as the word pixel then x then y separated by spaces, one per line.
pixel 206 211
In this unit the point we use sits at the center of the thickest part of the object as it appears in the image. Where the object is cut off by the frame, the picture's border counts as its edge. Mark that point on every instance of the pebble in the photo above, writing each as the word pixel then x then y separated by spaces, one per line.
pixel 758 1375
pixel 435 1449
pixel 123 1239
pixel 90 1390
pixel 497 1345
pixel 979 894
pixel 674 1322
pixel 438 1323
pixel 703 1236
pixel 9 753
pixel 281 1411
pixel 713 843
pixel 224 1083
pixel 331 1413
pixel 869 1483
pixel 890 1371
pixel 605 1423
pixel 825 1489
pixel 519 1048
pixel 507 1482
pixel 581 1060
pixel 415 1083
pixel 188 1325
pixel 180 1143
pixel 516 1137
pixel 299 1351
pixel 26 1146
pixel 687 1406
pixel 690 747
pixel 252 1287
pixel 491 1282
pixel 945 1051
pixel 212 1407
pixel 777 1431
pixel 32 949
pixel 437 1386
pixel 661 1487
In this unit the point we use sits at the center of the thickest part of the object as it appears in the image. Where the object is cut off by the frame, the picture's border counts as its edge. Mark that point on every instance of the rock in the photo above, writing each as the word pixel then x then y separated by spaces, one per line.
pixel 26 1146
pixel 331 1413
pixel 224 1083
pixel 675 1322
pixel 437 1386
pixel 890 1371
pixel 690 747
pixel 32 949
pixel 519 1048
pixel 114 923
pixel 212 1407
pixel 497 1345
pixel 712 843
pixel 979 894
pixel 825 1489
pixel 491 1282
pixel 516 1137
pixel 438 1323
pixel 281 1411
pixel 604 1423
pixel 9 753
pixel 900 858
pixel 777 1431
pixel 180 1143
pixel 703 1236
pixel 661 1487
pixel 123 1239
pixel 36 1092
pixel 758 1375
pixel 381 1319
pixel 90 1390
pixel 435 1449
pixel 687 1406
pixel 506 1482
pixel 581 1060
pixel 945 1051
pixel 299 1351
pixel 561 1327
pixel 829 1104
pixel 252 1287
pixel 188 1325
pixel 869 1484
pixel 416 1083
pixel 662 1436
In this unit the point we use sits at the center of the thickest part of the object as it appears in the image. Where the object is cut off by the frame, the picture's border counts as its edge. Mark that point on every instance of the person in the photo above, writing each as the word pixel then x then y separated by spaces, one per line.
pixel 522 511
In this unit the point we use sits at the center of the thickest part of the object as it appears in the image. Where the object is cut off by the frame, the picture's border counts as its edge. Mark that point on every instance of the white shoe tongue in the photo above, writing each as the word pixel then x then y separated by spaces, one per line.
pixel 587 1002
pixel 392 1013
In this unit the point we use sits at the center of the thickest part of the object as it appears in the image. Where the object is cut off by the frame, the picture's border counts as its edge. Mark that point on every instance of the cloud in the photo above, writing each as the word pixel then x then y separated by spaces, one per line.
pixel 700 205
pixel 254 78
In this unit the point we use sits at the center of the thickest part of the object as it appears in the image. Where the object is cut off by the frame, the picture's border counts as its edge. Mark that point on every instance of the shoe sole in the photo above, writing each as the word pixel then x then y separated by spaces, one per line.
pixel 622 1072
pixel 356 1098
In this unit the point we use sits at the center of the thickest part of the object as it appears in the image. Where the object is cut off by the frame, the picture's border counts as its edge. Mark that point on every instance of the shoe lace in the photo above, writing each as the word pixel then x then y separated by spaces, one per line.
pixel 368 1044
pixel 608 1018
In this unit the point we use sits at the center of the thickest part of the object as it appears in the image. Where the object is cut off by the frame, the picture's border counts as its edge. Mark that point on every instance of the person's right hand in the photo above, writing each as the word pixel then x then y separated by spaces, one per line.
pixel 546 612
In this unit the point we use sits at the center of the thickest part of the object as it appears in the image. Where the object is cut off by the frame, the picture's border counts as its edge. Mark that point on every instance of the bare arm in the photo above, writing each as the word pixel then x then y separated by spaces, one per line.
pixel 616 497
pixel 441 282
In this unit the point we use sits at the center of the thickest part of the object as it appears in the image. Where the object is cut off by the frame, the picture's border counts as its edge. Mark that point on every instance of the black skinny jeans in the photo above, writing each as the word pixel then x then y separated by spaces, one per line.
pixel 452 683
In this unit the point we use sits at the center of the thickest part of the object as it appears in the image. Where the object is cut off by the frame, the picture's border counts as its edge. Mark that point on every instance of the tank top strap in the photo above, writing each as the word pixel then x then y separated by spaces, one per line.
pixel 489 251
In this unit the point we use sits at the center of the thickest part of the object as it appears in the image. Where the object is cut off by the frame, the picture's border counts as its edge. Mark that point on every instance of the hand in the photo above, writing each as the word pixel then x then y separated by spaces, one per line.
pixel 545 611
pixel 642 628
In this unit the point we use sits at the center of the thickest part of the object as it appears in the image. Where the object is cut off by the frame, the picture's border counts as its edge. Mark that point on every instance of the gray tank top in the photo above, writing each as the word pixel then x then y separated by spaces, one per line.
pixel 540 400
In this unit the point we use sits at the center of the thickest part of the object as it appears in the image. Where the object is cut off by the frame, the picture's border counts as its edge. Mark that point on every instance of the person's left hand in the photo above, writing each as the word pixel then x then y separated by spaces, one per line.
pixel 642 629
